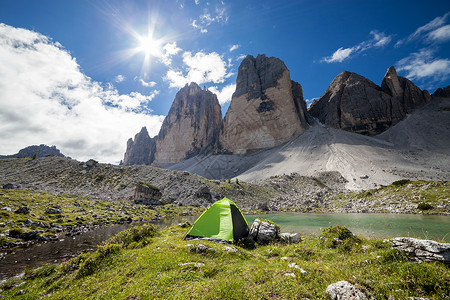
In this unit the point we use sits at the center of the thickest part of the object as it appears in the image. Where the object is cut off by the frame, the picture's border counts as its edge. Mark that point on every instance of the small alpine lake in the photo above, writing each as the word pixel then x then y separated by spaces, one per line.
pixel 434 227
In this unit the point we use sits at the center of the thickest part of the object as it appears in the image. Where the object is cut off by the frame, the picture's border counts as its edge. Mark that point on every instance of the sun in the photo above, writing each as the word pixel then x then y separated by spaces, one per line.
pixel 149 46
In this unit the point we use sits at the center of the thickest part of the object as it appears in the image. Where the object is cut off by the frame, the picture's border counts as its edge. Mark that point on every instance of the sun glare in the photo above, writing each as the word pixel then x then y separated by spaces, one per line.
pixel 149 46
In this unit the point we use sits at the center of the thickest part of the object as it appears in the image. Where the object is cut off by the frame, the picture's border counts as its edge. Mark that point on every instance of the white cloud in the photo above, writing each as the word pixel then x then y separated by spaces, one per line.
pixel 241 57
pixel 54 103
pixel 234 47
pixel 169 50
pixel 119 78
pixel 339 55
pixel 441 34
pixel 199 68
pixel 379 39
pixel 420 32
pixel 310 101
pixel 147 84
pixel 225 94
pixel 207 18
pixel 423 64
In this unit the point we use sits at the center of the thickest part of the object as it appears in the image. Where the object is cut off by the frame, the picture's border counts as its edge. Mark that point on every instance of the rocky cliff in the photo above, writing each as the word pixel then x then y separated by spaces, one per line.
pixel 141 151
pixel 267 108
pixel 191 127
pixel 354 103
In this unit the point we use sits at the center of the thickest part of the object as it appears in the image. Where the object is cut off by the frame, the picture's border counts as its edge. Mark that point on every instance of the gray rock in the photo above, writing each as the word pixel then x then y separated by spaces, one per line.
pixel 194 264
pixel 91 163
pixel 204 192
pixel 290 237
pixel 344 290
pixel 263 232
pixel 23 210
pixel 147 195
pixel 8 186
pixel 423 250
pixel 53 211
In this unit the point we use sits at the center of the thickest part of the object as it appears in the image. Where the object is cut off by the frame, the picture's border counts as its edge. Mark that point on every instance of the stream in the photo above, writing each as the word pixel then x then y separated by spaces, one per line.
pixel 35 256
pixel 365 225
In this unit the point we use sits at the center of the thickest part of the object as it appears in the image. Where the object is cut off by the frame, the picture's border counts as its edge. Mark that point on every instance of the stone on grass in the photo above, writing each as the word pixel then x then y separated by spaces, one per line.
pixel 344 290
pixel 23 210
pixel 231 249
pixel 290 237
pixel 290 275
pixel 423 250
pixel 195 264
pixel 53 211
pixel 264 232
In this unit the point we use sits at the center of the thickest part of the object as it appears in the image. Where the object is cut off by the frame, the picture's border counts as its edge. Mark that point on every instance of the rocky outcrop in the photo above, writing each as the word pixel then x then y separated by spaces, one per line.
pixel 147 195
pixel 40 151
pixel 406 96
pixel 267 108
pixel 354 103
pixel 191 127
pixel 141 151
pixel 423 250
pixel 442 92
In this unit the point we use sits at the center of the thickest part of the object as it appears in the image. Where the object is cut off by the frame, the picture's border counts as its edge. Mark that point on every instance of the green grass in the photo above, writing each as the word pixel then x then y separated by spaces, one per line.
pixel 164 268
pixel 91 211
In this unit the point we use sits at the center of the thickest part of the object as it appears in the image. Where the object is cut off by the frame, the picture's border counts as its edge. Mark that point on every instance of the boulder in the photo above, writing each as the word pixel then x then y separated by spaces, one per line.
pixel 147 195
pixel 8 186
pixel 90 164
pixel 23 210
pixel 53 211
pixel 204 192
pixel 344 290
pixel 264 232
pixel 267 108
pixel 423 250
pixel 290 237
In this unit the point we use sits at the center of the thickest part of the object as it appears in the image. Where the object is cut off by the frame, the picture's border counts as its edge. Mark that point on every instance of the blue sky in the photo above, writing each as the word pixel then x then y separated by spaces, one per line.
pixel 87 75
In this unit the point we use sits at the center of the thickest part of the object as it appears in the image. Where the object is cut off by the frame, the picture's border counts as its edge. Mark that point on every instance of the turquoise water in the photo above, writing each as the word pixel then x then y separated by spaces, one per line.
pixel 366 225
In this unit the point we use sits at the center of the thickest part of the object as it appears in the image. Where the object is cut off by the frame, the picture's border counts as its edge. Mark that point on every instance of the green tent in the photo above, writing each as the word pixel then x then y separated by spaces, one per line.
pixel 223 221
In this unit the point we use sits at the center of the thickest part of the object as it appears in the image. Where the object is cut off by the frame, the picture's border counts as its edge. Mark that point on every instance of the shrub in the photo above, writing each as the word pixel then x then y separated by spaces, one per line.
pixel 424 206
pixel 338 237
pixel 15 232
pixel 400 182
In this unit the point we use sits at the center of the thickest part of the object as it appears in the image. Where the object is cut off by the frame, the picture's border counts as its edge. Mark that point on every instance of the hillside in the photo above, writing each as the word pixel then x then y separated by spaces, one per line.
pixel 416 148
pixel 323 192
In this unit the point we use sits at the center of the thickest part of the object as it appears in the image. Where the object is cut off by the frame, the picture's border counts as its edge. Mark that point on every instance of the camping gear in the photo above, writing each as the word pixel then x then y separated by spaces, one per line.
pixel 222 221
